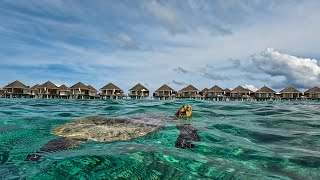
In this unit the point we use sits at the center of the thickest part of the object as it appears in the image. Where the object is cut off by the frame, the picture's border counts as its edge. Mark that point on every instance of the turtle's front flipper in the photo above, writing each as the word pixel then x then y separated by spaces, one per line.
pixel 55 145
pixel 186 136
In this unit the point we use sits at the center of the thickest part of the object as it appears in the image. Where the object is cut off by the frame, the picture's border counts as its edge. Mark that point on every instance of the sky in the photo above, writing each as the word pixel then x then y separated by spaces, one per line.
pixel 154 42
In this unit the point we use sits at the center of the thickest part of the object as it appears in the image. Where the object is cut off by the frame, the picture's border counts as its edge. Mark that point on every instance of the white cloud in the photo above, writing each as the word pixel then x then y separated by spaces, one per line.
pixel 214 76
pixel 284 27
pixel 181 70
pixel 164 13
pixel 178 83
pixel 301 72
pixel 127 40
pixel 250 87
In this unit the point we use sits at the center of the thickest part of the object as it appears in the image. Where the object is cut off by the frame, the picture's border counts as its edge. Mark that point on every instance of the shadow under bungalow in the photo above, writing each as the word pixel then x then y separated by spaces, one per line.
pixel 49 90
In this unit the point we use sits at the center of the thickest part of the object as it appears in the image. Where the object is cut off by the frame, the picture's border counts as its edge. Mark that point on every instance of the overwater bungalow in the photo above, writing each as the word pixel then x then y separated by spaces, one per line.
pixel 216 93
pixel 111 91
pixel 265 93
pixel 203 93
pixel 312 93
pixel 34 91
pixel 251 93
pixel 64 92
pixel 227 92
pixel 240 93
pixel 79 91
pixel 48 90
pixel 16 89
pixel 164 92
pixel 189 92
pixel 290 93
pixel 138 92
pixel 93 93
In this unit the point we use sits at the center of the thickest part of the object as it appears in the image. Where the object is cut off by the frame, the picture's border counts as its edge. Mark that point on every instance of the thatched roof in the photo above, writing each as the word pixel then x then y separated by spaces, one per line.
pixel 92 89
pixel 64 88
pixel 189 88
pixel 265 89
pixel 216 89
pixel 48 85
pixel 165 88
pixel 204 90
pixel 79 85
pixel 240 89
pixel 313 90
pixel 138 87
pixel 16 84
pixel 110 86
pixel 289 89
pixel 35 87
pixel 227 90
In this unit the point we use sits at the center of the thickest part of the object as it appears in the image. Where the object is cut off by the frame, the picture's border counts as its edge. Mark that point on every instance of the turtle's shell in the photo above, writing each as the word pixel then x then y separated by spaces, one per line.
pixel 110 129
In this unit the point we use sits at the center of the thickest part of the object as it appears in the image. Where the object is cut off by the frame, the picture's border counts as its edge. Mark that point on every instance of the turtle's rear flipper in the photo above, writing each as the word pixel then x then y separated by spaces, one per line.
pixel 55 145
pixel 186 136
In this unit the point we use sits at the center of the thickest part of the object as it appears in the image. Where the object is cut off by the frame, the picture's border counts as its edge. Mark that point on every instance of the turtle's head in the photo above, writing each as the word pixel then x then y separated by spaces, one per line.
pixel 184 112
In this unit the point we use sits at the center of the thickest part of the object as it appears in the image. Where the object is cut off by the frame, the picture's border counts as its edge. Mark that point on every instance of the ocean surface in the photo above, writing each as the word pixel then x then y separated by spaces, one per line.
pixel 239 140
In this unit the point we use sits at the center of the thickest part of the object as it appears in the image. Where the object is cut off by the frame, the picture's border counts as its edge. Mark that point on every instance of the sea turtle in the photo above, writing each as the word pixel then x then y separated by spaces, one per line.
pixel 110 129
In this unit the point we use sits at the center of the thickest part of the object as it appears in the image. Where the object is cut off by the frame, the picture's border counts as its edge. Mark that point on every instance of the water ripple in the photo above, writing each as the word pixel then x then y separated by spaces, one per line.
pixel 239 140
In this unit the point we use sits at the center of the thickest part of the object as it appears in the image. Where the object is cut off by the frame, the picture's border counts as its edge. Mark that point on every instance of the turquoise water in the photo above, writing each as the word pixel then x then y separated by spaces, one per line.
pixel 239 140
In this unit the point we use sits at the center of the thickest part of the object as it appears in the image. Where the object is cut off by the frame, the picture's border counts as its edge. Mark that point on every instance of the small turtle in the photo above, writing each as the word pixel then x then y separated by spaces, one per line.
pixel 110 129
